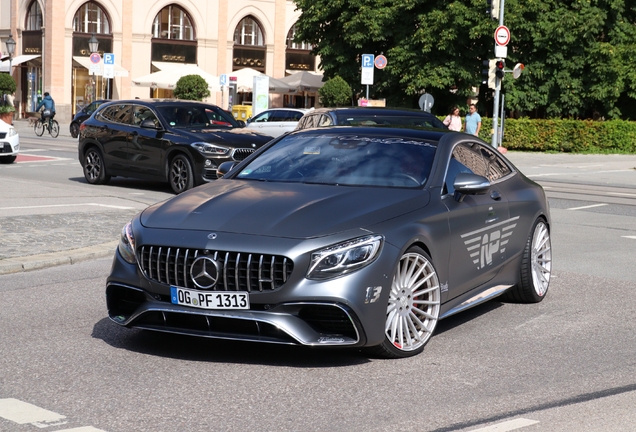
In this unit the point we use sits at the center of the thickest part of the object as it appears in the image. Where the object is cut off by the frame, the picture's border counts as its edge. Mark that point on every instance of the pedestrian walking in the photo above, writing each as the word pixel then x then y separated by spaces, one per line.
pixel 453 120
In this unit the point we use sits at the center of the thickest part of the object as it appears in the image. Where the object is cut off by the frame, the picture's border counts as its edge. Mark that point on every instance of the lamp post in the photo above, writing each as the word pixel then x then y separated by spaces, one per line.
pixel 93 47
pixel 10 49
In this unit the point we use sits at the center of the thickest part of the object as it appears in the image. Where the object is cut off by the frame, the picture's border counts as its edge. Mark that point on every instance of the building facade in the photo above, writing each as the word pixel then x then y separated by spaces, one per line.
pixel 140 37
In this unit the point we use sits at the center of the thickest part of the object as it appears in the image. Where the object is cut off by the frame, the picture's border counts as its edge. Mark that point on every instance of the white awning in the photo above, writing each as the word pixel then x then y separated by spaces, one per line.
pixel 164 66
pixel 167 79
pixel 4 66
pixel 85 62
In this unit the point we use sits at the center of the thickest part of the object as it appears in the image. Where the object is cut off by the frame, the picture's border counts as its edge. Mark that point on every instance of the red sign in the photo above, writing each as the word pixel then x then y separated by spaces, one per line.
pixel 380 62
pixel 502 36
pixel 95 58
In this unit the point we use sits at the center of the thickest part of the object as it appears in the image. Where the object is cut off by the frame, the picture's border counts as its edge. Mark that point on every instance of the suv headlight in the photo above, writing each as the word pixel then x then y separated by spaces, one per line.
pixel 210 149
pixel 345 257
pixel 127 244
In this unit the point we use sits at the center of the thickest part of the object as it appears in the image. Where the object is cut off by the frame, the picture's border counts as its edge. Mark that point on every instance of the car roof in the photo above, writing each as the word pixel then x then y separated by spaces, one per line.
pixel 374 110
pixel 160 102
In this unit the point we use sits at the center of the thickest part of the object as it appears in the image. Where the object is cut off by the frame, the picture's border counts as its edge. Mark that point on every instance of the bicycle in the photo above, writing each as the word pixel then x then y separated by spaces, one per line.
pixel 51 125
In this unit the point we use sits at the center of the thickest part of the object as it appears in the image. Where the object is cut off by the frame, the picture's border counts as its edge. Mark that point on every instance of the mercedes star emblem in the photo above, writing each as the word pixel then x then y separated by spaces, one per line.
pixel 204 272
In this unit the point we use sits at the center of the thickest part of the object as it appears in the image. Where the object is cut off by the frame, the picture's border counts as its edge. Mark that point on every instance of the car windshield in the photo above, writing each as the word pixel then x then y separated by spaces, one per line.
pixel 345 159
pixel 388 119
pixel 196 116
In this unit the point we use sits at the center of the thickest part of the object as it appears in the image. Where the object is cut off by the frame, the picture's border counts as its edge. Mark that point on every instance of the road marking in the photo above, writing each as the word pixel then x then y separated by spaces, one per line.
pixel 22 413
pixel 587 207
pixel 630 237
pixel 82 429
pixel 508 426
pixel 621 194
pixel 24 158
pixel 582 172
pixel 68 205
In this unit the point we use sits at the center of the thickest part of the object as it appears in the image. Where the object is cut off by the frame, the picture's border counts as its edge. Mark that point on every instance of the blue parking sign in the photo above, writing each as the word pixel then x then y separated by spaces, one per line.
pixel 109 58
pixel 367 60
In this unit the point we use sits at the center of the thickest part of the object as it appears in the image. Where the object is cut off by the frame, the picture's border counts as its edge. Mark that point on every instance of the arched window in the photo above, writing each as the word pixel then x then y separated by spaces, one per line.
pixel 248 32
pixel 91 18
pixel 172 22
pixel 34 17
pixel 296 45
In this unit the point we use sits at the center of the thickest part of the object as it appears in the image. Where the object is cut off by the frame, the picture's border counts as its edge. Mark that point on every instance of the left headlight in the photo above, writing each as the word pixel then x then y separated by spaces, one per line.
pixel 127 244
pixel 345 257
pixel 210 149
pixel 12 132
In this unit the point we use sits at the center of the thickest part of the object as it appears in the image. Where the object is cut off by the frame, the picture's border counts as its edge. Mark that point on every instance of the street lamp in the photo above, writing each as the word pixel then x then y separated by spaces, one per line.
pixel 10 49
pixel 93 46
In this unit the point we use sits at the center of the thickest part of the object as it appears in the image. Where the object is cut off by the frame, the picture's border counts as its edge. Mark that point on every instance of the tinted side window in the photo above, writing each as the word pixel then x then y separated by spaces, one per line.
pixel 278 116
pixel 117 113
pixel 461 161
pixel 307 122
pixel 141 113
pixel 325 120
pixel 262 117
pixel 471 156
pixel 295 115
pixel 496 167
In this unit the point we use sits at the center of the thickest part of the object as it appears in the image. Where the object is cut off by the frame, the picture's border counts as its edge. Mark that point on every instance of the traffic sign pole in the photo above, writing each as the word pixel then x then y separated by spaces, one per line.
pixel 495 109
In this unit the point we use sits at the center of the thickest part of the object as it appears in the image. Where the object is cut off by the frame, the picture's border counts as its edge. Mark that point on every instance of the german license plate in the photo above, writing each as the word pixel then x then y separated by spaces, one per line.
pixel 210 300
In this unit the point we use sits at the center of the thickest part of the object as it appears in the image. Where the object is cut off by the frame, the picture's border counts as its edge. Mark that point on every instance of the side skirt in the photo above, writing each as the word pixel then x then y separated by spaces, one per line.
pixel 471 298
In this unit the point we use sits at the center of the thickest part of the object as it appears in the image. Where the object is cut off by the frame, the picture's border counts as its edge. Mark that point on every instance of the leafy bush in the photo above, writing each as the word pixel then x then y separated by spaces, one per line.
pixel 7 86
pixel 555 135
pixel 335 92
pixel 191 87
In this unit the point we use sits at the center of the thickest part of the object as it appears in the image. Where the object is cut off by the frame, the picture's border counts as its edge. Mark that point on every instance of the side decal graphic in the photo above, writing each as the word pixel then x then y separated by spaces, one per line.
pixel 486 242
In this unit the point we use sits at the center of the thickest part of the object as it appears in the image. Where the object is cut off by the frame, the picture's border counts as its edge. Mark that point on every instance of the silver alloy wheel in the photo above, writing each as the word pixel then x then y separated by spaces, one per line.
pixel 93 167
pixel 414 300
pixel 541 259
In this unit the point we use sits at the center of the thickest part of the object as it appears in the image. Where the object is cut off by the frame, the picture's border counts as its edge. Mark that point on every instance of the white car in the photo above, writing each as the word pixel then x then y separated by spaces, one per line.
pixel 9 143
pixel 276 121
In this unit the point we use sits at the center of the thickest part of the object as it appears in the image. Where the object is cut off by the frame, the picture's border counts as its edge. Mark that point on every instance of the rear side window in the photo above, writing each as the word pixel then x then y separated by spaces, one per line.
pixel 117 113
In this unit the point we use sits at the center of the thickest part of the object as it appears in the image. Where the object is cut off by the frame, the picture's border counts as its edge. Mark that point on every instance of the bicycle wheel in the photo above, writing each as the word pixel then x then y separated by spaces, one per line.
pixel 39 128
pixel 55 129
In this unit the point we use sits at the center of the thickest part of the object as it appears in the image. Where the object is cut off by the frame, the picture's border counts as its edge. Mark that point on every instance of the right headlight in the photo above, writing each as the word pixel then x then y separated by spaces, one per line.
pixel 208 149
pixel 127 244
pixel 345 257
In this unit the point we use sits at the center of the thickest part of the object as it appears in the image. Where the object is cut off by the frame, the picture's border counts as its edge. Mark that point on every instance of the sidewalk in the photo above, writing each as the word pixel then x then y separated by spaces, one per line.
pixel 25 130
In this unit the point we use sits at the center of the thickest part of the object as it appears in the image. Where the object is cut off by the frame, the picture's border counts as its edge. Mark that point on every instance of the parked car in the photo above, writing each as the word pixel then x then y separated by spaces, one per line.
pixel 350 237
pixel 181 142
pixel 368 116
pixel 82 115
pixel 9 143
pixel 276 121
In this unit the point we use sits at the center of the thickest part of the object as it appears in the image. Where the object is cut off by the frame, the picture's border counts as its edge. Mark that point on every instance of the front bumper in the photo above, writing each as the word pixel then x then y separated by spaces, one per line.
pixel 10 146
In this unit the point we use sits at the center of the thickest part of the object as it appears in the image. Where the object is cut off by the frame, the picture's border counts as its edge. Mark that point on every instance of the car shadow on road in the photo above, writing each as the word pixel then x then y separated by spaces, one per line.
pixel 130 183
pixel 468 315
pixel 201 349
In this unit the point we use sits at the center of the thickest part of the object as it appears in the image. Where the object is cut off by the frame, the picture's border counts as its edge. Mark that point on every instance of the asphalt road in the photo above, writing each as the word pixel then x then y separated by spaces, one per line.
pixel 566 364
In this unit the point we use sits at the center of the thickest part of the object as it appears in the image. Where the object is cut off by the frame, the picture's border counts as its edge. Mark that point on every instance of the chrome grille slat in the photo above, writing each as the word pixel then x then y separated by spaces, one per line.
pixel 241 271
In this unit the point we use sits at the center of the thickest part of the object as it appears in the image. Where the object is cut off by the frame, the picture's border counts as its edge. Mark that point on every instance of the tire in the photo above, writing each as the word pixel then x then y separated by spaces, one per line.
pixel 94 169
pixel 8 159
pixel 413 309
pixel 55 129
pixel 39 128
pixel 74 129
pixel 535 269
pixel 180 174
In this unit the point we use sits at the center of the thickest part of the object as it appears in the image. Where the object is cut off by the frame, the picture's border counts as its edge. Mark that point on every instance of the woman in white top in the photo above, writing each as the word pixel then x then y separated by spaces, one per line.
pixel 453 120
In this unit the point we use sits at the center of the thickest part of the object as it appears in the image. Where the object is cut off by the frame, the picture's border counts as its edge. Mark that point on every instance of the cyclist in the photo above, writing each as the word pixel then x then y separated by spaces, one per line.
pixel 49 108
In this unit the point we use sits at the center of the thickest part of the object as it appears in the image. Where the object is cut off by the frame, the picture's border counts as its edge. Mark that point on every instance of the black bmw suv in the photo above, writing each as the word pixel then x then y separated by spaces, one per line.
pixel 181 142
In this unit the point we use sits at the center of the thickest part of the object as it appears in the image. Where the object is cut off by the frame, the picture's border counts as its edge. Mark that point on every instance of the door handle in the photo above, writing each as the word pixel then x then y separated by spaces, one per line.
pixel 495 195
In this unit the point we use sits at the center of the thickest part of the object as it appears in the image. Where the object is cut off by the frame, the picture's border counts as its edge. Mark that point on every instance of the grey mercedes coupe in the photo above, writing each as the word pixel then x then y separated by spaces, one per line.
pixel 344 236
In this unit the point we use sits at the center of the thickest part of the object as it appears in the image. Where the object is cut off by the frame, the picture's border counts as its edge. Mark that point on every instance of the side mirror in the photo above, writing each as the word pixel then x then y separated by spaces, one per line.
pixel 470 184
pixel 149 124
pixel 224 168
pixel 249 120
pixel 241 123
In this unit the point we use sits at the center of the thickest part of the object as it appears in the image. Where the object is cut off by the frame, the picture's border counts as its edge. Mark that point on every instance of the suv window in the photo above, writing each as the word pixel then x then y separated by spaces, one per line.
pixel 141 113
pixel 117 113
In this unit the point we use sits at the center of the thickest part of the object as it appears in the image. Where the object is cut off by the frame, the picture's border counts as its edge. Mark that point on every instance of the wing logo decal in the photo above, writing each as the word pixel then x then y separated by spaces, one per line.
pixel 484 243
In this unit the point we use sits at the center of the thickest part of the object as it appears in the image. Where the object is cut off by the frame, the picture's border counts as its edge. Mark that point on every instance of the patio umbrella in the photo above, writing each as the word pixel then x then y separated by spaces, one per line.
pixel 167 79
pixel 304 81
pixel 245 81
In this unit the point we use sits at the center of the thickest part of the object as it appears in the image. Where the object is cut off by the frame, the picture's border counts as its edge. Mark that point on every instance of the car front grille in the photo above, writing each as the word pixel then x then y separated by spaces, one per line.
pixel 3 135
pixel 241 153
pixel 238 271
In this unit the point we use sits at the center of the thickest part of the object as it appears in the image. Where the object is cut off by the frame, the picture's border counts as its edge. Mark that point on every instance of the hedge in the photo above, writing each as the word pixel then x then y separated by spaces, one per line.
pixel 554 135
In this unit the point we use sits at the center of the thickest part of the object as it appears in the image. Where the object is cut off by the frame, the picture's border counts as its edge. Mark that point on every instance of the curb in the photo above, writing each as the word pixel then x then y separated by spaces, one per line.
pixel 73 256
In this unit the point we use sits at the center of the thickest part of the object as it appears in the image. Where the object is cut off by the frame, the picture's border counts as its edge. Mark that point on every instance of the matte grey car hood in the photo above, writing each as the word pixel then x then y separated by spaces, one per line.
pixel 290 210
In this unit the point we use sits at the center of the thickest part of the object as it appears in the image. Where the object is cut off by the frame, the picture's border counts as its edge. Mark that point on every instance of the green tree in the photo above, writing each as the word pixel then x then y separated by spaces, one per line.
pixel 577 53
pixel 7 84
pixel 191 87
pixel 335 92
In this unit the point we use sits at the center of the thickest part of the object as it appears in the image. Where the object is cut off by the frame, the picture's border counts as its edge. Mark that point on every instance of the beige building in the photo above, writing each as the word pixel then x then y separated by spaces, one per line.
pixel 52 51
